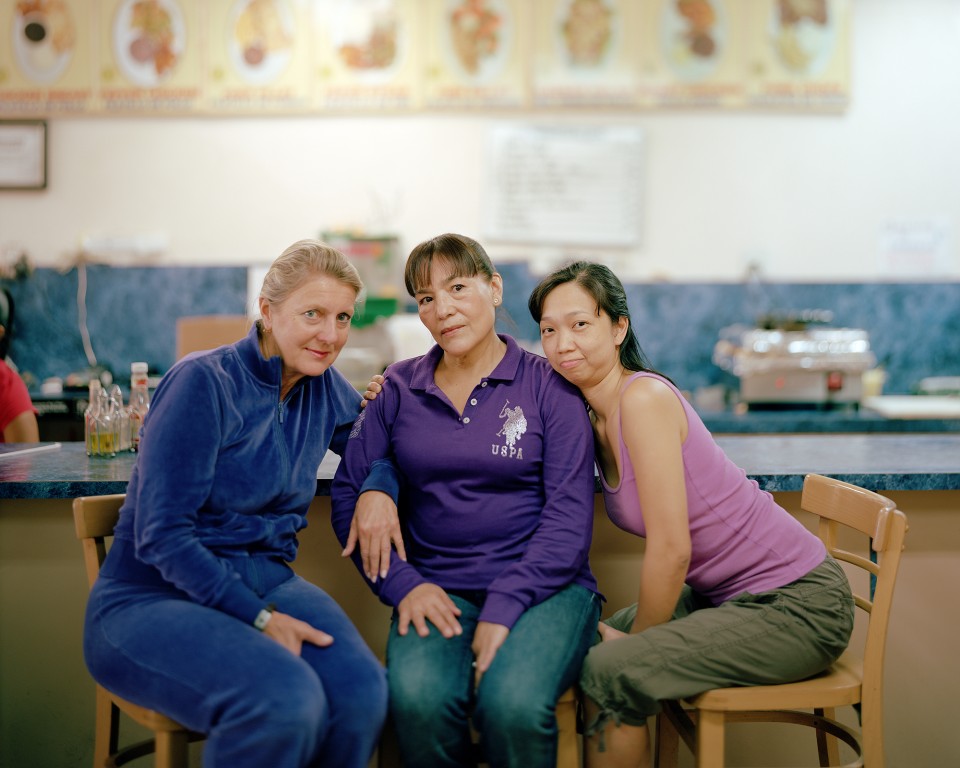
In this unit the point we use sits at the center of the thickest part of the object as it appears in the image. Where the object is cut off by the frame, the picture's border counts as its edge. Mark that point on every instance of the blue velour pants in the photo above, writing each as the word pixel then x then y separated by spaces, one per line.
pixel 259 704
pixel 433 699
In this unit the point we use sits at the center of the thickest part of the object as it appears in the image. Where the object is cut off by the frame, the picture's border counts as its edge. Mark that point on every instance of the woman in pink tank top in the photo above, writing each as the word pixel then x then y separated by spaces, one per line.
pixel 732 590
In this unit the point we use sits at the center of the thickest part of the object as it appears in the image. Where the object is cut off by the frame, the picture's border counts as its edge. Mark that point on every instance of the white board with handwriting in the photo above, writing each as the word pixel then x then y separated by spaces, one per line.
pixel 578 185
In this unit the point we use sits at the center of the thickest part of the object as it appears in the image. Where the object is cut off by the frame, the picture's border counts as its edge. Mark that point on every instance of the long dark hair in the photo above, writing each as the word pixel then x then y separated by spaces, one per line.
pixel 606 289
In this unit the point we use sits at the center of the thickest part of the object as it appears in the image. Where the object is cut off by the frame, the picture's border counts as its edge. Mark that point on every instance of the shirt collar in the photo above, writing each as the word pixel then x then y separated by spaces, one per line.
pixel 506 369
pixel 266 370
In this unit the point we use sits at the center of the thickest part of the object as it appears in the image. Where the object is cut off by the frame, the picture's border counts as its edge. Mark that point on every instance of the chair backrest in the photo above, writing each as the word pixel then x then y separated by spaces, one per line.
pixel 209 331
pixel 94 518
pixel 838 504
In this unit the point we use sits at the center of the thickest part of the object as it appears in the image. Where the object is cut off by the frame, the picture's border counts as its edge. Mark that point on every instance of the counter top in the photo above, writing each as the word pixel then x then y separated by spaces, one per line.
pixel 813 421
pixel 913 462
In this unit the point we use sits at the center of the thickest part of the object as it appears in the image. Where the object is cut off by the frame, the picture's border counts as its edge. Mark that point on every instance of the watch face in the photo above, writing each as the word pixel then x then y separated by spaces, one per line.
pixel 263 618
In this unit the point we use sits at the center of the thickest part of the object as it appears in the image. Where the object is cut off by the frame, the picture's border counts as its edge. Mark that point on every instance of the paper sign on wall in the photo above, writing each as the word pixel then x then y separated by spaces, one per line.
pixel 565 185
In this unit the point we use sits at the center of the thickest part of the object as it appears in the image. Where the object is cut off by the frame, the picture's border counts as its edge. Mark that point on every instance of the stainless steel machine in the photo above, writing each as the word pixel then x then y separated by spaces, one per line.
pixel 796 363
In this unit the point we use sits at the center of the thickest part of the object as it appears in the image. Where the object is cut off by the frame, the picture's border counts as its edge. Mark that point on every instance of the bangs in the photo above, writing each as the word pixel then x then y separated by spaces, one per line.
pixel 446 252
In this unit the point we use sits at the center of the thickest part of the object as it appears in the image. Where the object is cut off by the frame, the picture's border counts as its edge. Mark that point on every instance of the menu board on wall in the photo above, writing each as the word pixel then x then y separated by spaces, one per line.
pixel 692 53
pixel 799 53
pixel 150 56
pixel 47 68
pixel 273 57
pixel 474 53
pixel 368 54
pixel 564 185
pixel 582 52
pixel 258 56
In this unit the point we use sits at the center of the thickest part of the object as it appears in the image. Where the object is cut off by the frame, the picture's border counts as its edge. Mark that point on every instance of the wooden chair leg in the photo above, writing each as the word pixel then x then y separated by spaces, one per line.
pixel 105 729
pixel 667 745
pixel 710 738
pixel 828 750
pixel 568 745
pixel 171 749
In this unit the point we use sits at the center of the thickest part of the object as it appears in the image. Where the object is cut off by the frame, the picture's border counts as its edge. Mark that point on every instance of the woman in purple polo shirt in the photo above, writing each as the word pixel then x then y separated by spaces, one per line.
pixel 732 589
pixel 494 604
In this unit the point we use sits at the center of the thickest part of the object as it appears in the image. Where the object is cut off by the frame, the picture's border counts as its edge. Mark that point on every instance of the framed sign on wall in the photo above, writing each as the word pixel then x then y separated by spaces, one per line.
pixel 23 154
pixel 564 185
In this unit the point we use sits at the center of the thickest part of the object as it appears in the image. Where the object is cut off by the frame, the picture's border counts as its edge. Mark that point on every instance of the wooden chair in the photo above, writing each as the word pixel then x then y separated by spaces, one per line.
pixel 852 680
pixel 198 332
pixel 94 518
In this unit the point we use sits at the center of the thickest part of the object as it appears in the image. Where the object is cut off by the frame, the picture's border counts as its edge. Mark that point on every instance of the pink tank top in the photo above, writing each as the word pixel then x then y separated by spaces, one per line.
pixel 742 540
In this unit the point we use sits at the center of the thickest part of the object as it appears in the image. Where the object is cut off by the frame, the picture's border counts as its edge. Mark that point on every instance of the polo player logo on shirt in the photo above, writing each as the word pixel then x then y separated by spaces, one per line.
pixel 511 431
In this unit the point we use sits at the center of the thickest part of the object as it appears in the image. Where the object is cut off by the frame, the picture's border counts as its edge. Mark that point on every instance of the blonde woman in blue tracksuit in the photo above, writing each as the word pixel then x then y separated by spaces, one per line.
pixel 196 612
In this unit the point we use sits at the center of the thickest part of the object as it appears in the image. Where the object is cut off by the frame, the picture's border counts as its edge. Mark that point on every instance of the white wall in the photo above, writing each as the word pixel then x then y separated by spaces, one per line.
pixel 807 196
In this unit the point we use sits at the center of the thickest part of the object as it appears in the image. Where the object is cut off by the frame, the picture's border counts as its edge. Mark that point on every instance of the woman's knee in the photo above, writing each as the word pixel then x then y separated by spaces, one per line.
pixel 294 697
pixel 601 666
pixel 417 698
pixel 515 709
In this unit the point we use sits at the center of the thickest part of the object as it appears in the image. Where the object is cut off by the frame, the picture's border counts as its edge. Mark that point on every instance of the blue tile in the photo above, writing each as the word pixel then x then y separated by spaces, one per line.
pixel 131 315
pixel 914 327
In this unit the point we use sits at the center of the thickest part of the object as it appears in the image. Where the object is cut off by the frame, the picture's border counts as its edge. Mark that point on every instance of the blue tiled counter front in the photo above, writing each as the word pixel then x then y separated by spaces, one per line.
pixel 777 463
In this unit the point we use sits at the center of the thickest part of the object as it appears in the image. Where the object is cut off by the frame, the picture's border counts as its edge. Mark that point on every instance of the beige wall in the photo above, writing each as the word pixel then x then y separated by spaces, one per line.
pixel 46 696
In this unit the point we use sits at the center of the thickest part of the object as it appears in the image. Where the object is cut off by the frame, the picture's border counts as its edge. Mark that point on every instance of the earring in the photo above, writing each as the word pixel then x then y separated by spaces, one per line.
pixel 496 301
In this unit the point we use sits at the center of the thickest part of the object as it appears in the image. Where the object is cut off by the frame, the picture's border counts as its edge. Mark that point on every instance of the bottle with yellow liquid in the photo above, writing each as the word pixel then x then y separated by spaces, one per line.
pixel 108 423
pixel 90 416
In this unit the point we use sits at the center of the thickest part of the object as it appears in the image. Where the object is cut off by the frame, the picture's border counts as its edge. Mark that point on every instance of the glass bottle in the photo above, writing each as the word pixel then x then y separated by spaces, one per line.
pixel 139 402
pixel 91 413
pixel 122 415
pixel 107 419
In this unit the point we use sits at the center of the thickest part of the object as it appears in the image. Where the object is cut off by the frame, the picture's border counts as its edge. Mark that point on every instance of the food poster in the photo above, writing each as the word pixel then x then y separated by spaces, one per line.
pixel 46 61
pixel 150 56
pixel 693 53
pixel 258 56
pixel 475 53
pixel 368 54
pixel 583 52
pixel 799 53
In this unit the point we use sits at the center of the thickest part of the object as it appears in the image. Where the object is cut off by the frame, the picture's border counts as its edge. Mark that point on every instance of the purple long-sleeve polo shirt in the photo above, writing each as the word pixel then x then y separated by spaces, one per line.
pixel 498 498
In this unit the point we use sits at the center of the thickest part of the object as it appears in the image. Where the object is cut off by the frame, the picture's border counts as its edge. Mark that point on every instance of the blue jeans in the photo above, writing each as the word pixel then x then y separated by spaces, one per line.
pixel 258 703
pixel 432 695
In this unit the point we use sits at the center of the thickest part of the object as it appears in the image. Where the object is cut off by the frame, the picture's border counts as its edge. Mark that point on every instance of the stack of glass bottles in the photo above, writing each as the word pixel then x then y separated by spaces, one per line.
pixel 101 422
pixel 109 427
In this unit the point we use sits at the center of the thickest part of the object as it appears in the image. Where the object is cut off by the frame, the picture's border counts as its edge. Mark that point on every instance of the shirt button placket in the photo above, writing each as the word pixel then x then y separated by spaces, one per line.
pixel 473 401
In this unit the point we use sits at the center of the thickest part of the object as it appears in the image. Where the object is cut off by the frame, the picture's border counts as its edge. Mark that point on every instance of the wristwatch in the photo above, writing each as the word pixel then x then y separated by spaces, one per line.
pixel 263 618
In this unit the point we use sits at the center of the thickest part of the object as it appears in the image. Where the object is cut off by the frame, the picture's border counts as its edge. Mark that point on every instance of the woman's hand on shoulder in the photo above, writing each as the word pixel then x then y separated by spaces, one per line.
pixel 374 388
pixel 428 602
pixel 292 633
